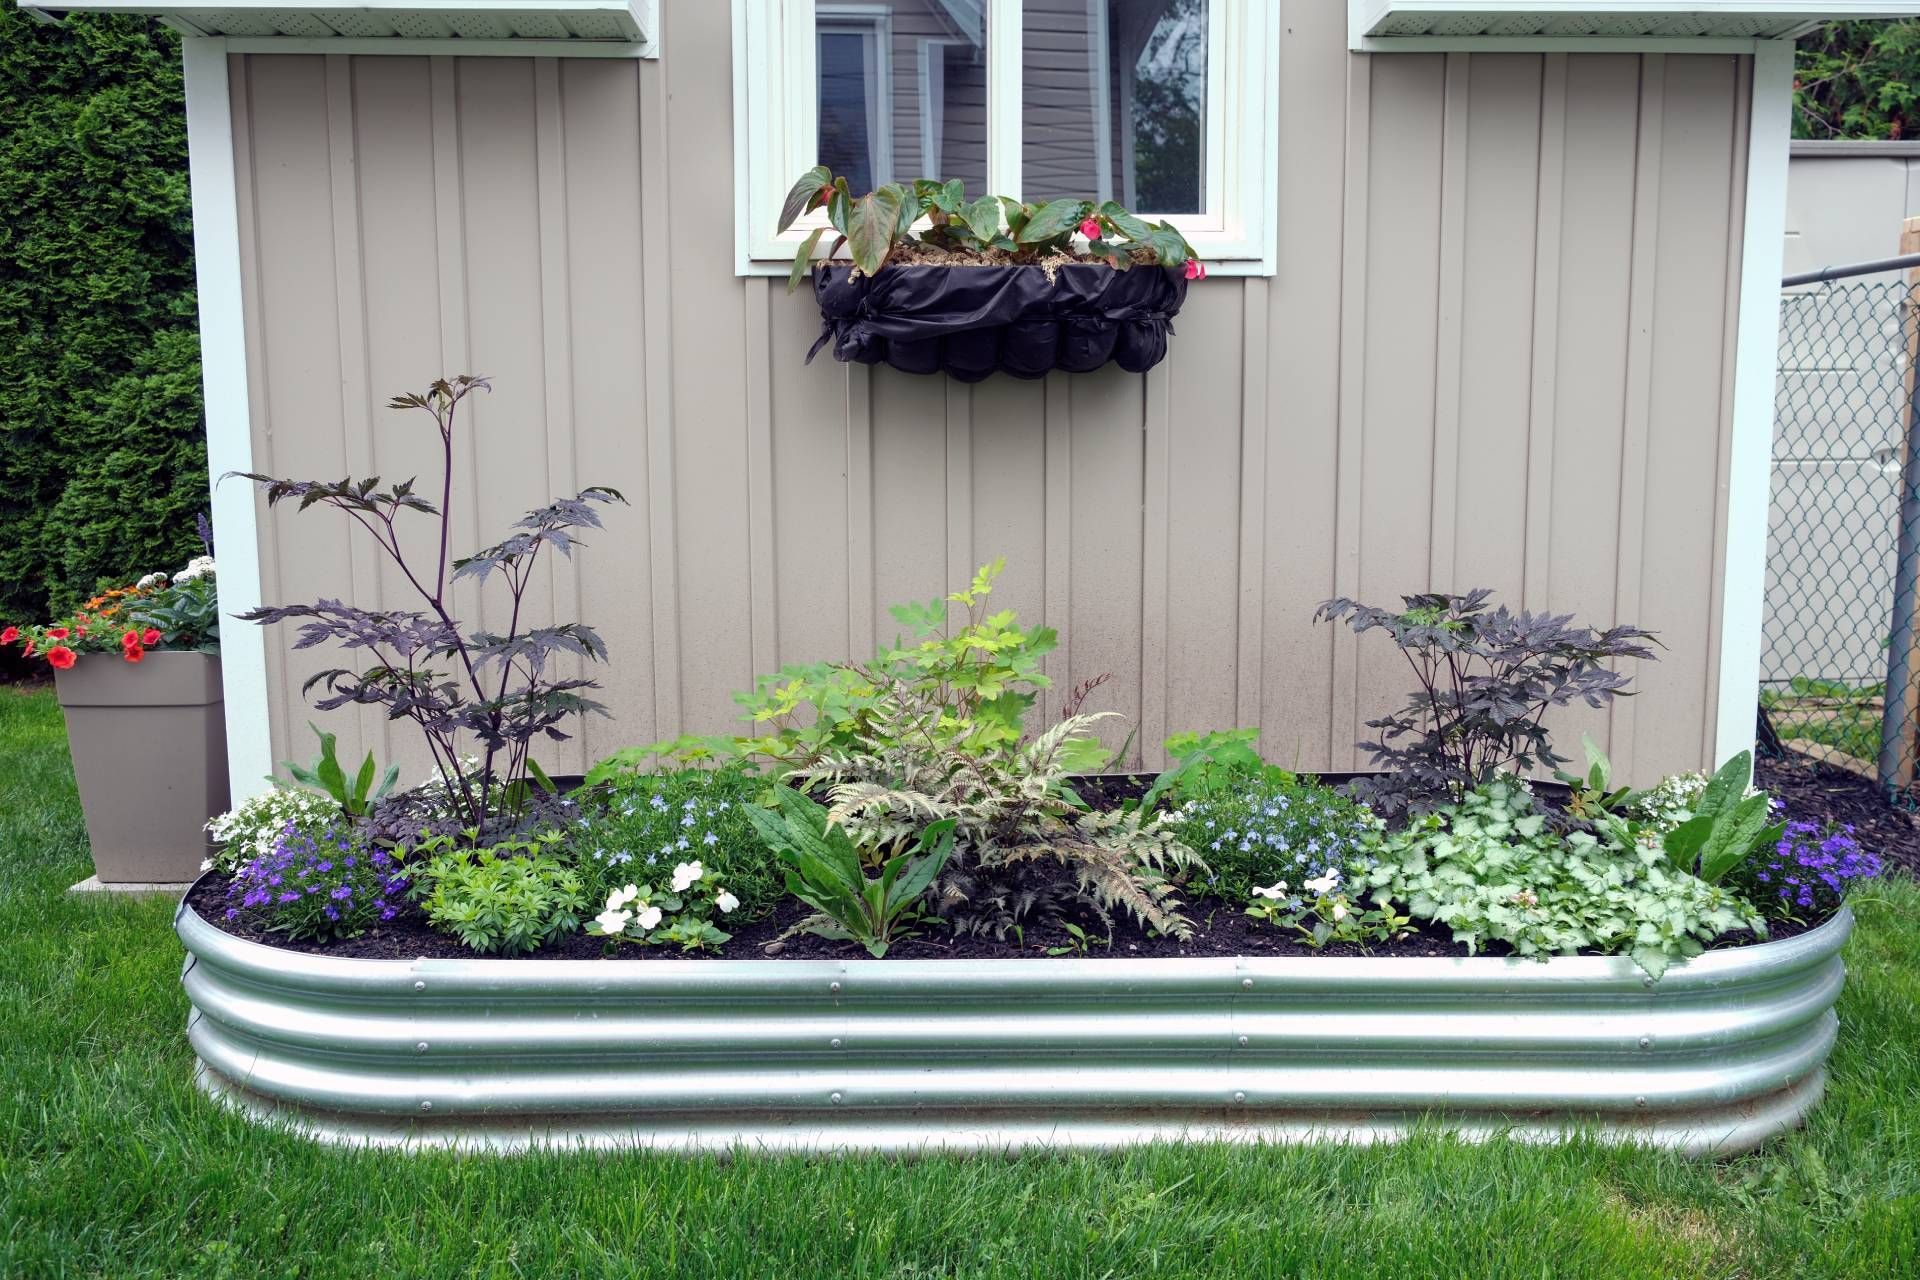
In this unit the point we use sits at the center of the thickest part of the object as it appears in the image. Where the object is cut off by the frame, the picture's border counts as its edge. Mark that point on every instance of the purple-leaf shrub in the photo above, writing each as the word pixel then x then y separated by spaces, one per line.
pixel 317 886
pixel 1487 677
pixel 493 694
pixel 1809 871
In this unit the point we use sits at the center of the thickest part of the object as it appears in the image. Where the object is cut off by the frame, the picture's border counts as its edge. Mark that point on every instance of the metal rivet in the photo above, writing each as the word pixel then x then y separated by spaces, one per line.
pixel 1243 1042
pixel 834 1098
pixel 1239 1097
pixel 421 1047
pixel 420 985
pixel 835 1042
pixel 1646 1042
pixel 1647 982
pixel 833 988
pixel 426 1106
pixel 1639 1102
pixel 1247 983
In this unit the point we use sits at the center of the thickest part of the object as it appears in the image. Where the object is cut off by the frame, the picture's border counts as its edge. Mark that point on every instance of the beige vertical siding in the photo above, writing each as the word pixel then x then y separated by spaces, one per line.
pixel 1496 352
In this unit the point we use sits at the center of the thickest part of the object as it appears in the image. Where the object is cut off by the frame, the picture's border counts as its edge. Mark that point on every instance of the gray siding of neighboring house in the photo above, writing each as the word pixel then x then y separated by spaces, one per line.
pixel 1498 350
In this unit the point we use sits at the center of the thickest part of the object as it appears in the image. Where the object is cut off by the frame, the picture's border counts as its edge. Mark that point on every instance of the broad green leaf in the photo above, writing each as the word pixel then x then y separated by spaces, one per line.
pixel 540 777
pixel 1131 225
pixel 803 195
pixel 840 208
pixel 803 258
pixel 876 219
pixel 1733 838
pixel 1056 218
pixel 950 198
pixel 1728 784
pixel 363 780
pixel 983 218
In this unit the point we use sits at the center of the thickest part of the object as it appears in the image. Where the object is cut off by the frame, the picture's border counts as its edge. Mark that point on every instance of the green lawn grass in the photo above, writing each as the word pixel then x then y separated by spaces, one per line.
pixel 112 1165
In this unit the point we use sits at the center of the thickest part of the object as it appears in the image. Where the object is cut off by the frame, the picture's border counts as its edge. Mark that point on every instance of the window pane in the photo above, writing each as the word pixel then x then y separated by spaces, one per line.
pixel 903 91
pixel 1116 96
pixel 847 99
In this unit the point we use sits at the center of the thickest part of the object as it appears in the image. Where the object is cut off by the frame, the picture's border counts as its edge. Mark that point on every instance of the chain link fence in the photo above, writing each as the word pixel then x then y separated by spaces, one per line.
pixel 1839 629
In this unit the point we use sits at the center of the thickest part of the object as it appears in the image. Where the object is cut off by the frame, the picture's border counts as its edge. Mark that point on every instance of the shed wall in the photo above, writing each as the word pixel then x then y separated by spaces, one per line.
pixel 1497 351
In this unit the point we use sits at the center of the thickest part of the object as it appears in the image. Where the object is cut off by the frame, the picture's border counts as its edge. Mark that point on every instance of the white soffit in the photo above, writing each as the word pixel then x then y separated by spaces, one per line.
pixel 1381 22
pixel 624 21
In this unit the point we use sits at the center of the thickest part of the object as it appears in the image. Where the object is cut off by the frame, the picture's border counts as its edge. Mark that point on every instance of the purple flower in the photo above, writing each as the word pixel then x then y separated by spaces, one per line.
pixel 1812 865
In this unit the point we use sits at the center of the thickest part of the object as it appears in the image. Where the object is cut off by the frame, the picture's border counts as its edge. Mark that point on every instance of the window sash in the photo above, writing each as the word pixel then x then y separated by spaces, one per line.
pixel 777 123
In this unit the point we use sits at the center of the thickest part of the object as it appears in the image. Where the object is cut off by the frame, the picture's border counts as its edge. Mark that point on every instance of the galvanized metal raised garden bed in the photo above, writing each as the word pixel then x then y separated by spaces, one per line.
pixel 1721 1054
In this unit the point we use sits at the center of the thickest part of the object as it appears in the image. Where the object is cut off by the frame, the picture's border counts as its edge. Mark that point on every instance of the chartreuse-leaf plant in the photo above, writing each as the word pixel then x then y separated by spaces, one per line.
pixel 829 872
pixel 872 224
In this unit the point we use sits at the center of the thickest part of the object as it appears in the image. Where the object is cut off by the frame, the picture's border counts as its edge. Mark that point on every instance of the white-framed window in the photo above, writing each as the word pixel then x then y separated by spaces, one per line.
pixel 1168 106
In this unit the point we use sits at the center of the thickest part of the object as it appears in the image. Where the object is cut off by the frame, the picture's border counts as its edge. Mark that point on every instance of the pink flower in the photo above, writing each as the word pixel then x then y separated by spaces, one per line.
pixel 1090 229
pixel 1196 269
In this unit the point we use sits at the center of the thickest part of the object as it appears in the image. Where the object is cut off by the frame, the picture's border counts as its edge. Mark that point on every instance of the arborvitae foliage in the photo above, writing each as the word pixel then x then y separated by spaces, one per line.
pixel 1858 80
pixel 102 451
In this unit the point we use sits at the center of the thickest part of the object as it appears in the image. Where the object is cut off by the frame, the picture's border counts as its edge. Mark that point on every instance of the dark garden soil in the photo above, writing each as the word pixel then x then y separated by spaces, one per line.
pixel 1220 929
pixel 1812 791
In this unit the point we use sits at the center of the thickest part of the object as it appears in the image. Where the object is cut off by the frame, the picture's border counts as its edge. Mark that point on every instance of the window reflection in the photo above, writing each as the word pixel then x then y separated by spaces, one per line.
pixel 1115 102
pixel 903 91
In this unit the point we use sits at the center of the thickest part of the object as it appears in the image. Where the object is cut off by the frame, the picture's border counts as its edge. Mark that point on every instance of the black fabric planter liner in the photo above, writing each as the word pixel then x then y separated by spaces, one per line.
pixel 970 321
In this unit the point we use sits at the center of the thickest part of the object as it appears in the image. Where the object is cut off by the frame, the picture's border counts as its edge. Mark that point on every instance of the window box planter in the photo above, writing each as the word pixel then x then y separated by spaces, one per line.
pixel 970 321
pixel 1724 1052
pixel 149 745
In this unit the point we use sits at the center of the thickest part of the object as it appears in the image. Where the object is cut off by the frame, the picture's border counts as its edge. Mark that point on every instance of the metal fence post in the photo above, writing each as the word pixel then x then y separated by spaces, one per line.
pixel 1896 723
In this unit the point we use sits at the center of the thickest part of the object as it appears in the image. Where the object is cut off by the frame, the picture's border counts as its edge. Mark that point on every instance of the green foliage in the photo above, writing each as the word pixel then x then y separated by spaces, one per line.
pixel 1322 912
pixel 975 683
pixel 512 897
pixel 826 870
pixel 102 453
pixel 637 826
pixel 677 913
pixel 1490 868
pixel 1730 822
pixel 1263 832
pixel 1024 842
pixel 1212 764
pixel 873 224
pixel 354 795
pixel 186 614
pixel 1857 80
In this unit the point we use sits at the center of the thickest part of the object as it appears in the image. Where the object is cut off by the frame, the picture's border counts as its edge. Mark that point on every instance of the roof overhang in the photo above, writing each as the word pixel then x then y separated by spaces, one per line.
pixel 402 23
pixel 1384 25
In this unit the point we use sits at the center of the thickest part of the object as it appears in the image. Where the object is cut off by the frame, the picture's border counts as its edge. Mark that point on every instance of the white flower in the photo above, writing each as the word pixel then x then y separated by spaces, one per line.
pixel 1340 910
pixel 684 875
pixel 612 922
pixel 1276 891
pixel 621 897
pixel 198 567
pixel 649 918
pixel 725 901
pixel 150 581
pixel 206 864
pixel 1324 885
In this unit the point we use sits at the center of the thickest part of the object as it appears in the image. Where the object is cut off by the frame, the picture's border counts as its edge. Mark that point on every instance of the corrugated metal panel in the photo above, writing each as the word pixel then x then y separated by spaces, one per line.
pixel 1720 1054
pixel 1495 352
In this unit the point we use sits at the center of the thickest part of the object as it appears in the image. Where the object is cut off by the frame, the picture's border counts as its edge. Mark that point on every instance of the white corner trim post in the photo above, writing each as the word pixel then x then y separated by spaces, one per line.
pixel 1756 365
pixel 223 373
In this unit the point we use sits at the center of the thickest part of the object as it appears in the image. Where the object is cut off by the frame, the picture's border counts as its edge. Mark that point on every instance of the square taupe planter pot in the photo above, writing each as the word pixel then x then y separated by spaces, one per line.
pixel 149 742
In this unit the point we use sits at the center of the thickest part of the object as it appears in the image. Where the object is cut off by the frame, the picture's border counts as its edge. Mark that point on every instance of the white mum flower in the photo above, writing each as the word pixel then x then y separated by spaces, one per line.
pixel 1276 890
pixel 612 922
pixel 1325 884
pixel 685 874
pixel 649 918
pixel 725 901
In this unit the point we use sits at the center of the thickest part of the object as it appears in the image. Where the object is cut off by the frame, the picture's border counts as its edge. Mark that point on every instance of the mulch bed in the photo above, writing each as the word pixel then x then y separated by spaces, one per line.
pixel 1220 929
pixel 1813 791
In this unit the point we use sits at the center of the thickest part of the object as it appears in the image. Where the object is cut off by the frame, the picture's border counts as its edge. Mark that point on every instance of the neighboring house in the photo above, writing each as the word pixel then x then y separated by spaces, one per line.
pixel 1841 415
pixel 1492 300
